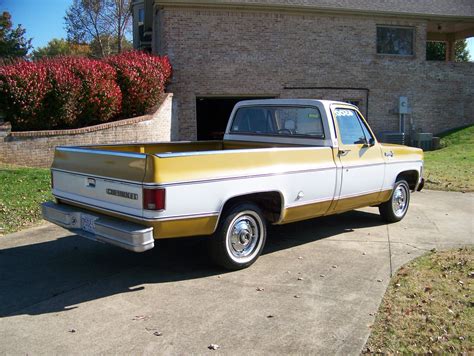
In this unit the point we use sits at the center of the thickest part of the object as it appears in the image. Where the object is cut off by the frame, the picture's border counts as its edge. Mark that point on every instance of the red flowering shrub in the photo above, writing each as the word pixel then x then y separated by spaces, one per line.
pixel 68 92
pixel 100 99
pixel 142 78
pixel 61 106
pixel 166 68
pixel 23 86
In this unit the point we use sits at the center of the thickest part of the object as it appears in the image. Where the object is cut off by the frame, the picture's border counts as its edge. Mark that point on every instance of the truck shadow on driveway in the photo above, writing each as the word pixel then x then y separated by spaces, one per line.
pixel 60 274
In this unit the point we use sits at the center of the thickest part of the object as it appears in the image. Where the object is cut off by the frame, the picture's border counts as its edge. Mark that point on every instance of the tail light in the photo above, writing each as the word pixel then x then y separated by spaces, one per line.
pixel 154 199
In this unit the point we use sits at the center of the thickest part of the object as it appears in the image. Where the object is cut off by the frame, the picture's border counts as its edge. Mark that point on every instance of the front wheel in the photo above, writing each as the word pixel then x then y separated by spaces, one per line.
pixel 239 238
pixel 396 208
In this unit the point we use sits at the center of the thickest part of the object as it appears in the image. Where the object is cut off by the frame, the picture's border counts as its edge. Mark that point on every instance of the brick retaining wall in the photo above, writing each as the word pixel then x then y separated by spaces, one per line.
pixel 36 148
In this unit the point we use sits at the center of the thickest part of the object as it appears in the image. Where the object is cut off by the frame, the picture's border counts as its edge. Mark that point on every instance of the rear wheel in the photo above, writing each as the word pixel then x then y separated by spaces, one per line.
pixel 239 238
pixel 396 208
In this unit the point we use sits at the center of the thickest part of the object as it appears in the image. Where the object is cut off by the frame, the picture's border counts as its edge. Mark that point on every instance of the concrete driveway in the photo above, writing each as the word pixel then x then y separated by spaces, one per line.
pixel 315 290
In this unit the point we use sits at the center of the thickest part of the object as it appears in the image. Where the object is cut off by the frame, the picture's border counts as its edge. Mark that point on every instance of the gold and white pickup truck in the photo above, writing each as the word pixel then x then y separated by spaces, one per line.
pixel 281 161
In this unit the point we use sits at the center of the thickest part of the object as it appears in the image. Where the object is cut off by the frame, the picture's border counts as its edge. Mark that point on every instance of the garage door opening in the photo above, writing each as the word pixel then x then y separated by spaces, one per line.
pixel 212 115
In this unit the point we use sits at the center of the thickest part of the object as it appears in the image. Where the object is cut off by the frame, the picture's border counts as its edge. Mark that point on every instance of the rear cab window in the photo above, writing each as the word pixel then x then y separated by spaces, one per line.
pixel 279 121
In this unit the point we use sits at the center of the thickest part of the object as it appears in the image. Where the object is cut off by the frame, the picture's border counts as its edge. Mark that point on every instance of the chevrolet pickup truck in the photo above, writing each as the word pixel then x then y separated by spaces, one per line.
pixel 280 161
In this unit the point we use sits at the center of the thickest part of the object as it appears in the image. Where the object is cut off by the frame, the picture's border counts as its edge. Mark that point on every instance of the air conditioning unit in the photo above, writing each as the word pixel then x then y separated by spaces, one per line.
pixel 423 140
pixel 391 137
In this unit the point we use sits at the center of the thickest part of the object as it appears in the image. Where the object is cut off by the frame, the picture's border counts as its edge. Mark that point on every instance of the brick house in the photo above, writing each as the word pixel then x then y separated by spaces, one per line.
pixel 367 52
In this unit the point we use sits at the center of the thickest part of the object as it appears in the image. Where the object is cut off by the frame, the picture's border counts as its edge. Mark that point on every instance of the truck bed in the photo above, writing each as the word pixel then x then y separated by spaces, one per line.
pixel 166 162
pixel 95 175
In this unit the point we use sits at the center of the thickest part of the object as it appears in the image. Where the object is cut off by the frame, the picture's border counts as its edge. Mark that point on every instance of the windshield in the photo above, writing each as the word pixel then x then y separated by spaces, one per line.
pixel 278 121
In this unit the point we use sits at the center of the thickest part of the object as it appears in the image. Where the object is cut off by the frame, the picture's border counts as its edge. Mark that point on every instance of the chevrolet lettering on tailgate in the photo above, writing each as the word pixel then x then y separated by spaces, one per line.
pixel 119 193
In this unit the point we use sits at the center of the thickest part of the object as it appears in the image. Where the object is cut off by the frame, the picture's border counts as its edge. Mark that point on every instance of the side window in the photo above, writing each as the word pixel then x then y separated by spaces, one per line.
pixel 367 133
pixel 351 129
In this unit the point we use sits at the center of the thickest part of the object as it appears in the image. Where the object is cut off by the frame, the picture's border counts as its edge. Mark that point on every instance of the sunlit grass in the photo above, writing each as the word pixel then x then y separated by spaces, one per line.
pixel 452 167
pixel 21 192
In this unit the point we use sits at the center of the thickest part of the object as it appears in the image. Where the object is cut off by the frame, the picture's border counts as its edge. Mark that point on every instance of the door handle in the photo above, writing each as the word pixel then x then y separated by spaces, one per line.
pixel 388 154
pixel 343 153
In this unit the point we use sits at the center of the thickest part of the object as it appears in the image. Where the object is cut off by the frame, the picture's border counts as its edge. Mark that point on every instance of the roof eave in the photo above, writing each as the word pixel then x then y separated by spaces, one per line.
pixel 306 8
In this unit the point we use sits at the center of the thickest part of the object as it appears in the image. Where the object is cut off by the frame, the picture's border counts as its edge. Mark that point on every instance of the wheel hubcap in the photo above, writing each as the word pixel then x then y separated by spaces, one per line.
pixel 244 235
pixel 399 200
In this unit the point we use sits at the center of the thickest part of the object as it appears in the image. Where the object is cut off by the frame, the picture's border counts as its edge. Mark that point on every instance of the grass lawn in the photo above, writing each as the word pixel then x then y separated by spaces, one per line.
pixel 452 167
pixel 21 191
pixel 428 307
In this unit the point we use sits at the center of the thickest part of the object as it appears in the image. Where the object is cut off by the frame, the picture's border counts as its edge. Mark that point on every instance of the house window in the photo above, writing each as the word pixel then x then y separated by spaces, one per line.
pixel 141 15
pixel 355 102
pixel 395 40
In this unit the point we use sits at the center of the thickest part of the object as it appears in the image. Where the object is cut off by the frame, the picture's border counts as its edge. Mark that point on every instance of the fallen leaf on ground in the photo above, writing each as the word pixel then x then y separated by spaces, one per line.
pixel 141 317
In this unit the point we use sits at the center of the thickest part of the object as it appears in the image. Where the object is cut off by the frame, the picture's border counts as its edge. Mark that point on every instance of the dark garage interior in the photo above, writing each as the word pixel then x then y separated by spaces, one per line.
pixel 212 115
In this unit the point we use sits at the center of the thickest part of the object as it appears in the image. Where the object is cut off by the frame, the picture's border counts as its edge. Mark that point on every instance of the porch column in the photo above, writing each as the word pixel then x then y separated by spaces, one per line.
pixel 450 43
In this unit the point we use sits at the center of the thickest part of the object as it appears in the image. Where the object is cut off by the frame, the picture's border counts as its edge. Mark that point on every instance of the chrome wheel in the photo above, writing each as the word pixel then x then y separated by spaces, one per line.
pixel 400 200
pixel 244 236
pixel 396 207
pixel 240 236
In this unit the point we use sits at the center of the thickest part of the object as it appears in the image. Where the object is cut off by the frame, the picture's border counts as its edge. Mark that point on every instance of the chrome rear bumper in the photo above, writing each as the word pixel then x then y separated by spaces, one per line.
pixel 98 227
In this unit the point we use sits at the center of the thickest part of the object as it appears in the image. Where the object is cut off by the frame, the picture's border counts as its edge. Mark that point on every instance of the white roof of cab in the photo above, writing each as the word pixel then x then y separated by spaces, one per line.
pixel 299 102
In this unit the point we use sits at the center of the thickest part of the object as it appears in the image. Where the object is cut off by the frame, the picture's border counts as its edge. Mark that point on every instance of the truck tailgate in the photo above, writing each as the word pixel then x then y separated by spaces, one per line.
pixel 106 179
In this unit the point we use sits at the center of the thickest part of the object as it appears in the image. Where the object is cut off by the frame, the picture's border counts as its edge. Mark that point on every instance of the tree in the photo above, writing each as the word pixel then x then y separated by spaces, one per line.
pixel 13 43
pixel 98 22
pixel 121 14
pixel 109 46
pixel 61 47
pixel 436 51
pixel 461 53
pixel 86 21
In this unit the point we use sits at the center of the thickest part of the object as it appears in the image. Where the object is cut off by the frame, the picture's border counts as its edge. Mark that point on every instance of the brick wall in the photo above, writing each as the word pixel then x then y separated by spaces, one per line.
pixel 36 148
pixel 232 52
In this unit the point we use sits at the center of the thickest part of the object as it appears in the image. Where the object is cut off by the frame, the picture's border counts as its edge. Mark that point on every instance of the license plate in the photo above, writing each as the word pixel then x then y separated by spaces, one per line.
pixel 87 223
